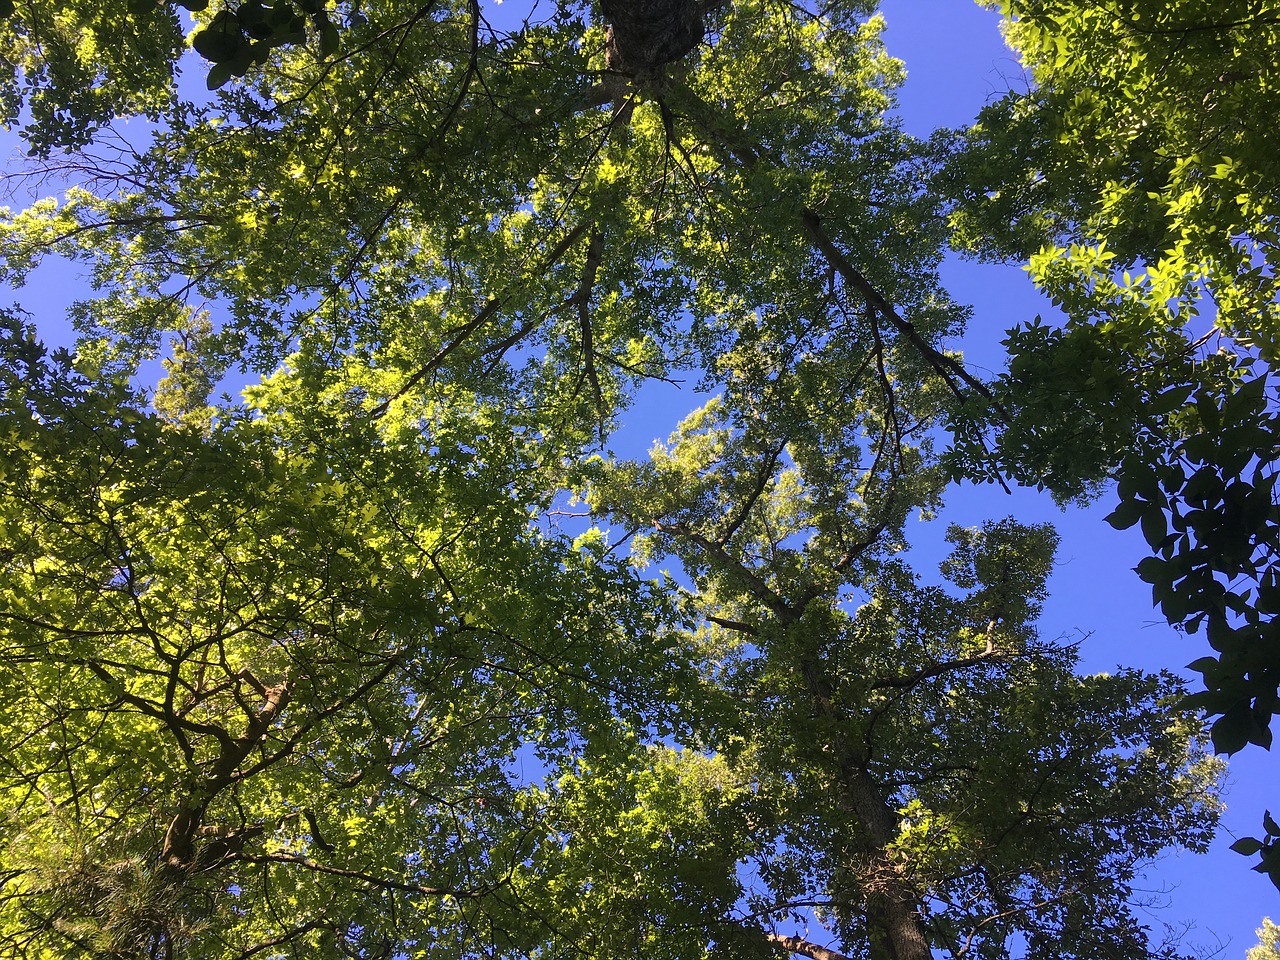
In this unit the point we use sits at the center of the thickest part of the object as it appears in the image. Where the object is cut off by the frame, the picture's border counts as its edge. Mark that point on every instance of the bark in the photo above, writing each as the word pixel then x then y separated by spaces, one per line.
pixel 891 901
pixel 181 840
pixel 645 35
pixel 804 947
pixel 894 926
pixel 893 920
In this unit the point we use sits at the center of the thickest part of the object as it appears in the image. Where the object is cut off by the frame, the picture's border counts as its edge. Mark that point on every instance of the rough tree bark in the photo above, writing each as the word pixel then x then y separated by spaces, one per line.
pixel 646 35
pixel 891 902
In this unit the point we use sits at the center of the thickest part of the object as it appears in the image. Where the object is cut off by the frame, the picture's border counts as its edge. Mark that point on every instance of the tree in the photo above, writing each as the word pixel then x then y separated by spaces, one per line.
pixel 338 628
pixel 873 712
pixel 258 653
pixel 1147 197
pixel 1268 941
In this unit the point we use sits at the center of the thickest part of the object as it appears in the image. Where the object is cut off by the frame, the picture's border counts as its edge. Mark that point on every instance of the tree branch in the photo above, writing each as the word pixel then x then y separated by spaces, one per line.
pixel 763 475
pixel 737 625
pixel 595 251
pixel 716 551
pixel 704 115
pixel 908 680
pixel 805 948
pixel 947 367
pixel 381 882
pixel 485 313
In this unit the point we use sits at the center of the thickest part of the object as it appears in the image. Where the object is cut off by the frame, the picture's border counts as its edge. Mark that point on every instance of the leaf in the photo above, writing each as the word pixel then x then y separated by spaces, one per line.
pixel 1270 864
pixel 1210 415
pixel 1137 477
pixel 218 75
pixel 1209 666
pixel 1170 400
pixel 1154 526
pixel 1200 448
pixel 259 29
pixel 250 13
pixel 1126 514
pixel 1153 570
pixel 1272 828
pixel 1233 730
pixel 221 40
pixel 1246 846
pixel 1210 701
pixel 329 40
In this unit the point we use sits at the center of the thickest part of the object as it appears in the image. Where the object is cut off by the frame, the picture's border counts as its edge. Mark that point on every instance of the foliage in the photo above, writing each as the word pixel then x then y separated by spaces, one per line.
pixel 76 66
pixel 72 67
pixel 1268 942
pixel 1147 198
pixel 233 40
pixel 1148 129
pixel 266 669
pixel 326 672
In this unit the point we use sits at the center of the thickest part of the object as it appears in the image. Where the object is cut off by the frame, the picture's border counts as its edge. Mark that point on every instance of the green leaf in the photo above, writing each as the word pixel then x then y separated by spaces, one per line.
pixel 1246 846
pixel 1210 701
pixel 218 75
pixel 1233 730
pixel 1126 514
pixel 1169 400
pixel 329 39
pixel 1206 665
pixel 1210 415
pixel 1154 526
pixel 220 41
pixel 1154 571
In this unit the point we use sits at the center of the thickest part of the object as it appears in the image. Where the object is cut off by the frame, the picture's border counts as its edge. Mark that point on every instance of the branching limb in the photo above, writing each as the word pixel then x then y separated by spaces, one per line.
pixel 908 680
pixel 804 948
pixel 316 837
pixel 949 368
pixel 483 316
pixel 737 625
pixel 382 883
pixel 715 551
pixel 706 117
pixel 763 475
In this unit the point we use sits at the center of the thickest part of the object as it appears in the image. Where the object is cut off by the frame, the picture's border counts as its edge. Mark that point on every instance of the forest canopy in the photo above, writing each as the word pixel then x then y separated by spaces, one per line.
pixel 402 652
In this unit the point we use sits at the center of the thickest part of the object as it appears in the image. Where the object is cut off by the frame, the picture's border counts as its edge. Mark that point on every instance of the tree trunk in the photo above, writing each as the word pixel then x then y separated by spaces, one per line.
pixel 178 852
pixel 893 920
pixel 645 35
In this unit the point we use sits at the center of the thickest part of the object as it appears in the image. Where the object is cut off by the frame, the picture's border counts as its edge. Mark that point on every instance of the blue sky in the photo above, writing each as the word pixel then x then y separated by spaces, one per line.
pixel 956 62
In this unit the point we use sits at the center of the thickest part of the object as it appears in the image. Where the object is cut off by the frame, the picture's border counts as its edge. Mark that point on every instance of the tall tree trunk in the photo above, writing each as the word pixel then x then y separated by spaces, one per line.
pixel 891 901
pixel 893 919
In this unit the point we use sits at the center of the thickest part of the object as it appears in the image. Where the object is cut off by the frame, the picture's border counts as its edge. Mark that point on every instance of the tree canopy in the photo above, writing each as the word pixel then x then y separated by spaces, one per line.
pixel 1268 945
pixel 374 661
pixel 1147 198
